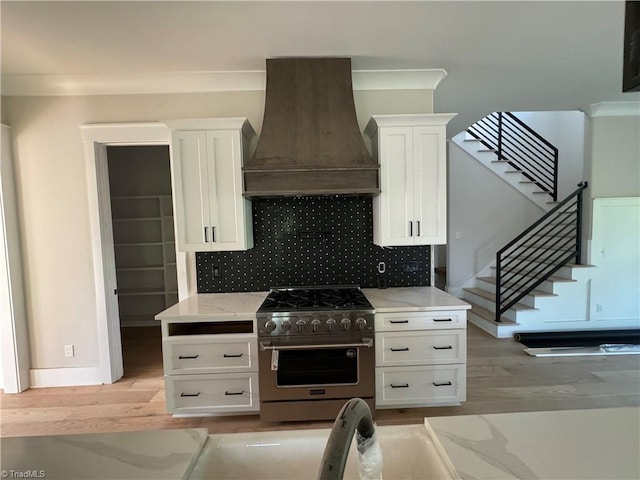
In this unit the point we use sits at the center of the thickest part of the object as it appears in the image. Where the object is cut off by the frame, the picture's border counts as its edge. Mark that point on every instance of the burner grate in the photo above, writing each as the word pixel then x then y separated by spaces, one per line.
pixel 315 298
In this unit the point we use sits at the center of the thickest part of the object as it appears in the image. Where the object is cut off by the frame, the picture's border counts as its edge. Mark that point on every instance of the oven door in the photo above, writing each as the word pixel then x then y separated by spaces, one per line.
pixel 311 369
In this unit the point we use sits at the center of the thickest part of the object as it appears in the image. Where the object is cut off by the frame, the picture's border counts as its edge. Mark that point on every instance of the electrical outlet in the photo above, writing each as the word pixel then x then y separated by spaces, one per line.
pixel 598 308
pixel 410 267
pixel 68 351
pixel 215 271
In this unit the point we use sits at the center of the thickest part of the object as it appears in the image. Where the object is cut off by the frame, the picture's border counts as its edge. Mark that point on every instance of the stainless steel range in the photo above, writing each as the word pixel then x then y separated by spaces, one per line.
pixel 316 351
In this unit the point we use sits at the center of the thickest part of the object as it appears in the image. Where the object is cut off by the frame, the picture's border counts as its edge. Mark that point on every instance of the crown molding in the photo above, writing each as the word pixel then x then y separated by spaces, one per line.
pixel 613 109
pixel 198 82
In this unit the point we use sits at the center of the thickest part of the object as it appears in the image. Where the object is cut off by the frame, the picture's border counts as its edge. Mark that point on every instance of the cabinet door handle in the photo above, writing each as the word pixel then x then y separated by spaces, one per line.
pixel 404 385
pixel 190 394
pixel 410 228
pixel 232 355
pixel 404 349
pixel 443 320
pixel 187 357
pixel 206 239
pixel 448 347
pixel 234 393
pixel 418 222
pixel 442 384
pixel 213 234
pixel 398 321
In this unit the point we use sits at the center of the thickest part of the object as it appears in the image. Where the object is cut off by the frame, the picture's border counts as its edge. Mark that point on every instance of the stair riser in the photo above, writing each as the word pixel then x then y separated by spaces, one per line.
pixel 567 272
pixel 483 302
pixel 497 330
pixel 491 287
pixel 548 286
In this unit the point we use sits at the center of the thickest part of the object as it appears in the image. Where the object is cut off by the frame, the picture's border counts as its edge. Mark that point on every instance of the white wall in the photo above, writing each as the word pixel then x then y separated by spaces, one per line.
pixel 612 159
pixel 52 194
pixel 565 131
pixel 486 211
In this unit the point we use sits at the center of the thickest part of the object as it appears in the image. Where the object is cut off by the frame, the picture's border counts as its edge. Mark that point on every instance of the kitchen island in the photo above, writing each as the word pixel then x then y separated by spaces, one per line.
pixel 572 444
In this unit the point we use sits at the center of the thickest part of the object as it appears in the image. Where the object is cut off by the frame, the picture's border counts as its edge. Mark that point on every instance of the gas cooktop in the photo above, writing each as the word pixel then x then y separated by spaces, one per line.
pixel 341 297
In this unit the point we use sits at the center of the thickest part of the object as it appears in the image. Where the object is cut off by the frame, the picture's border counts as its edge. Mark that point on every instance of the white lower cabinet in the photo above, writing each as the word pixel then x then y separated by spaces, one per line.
pixel 209 369
pixel 211 393
pixel 421 386
pixel 420 359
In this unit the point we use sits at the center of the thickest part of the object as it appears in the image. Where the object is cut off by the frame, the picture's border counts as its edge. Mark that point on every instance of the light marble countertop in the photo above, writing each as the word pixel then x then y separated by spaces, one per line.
pixel 412 299
pixel 164 454
pixel 227 306
pixel 581 444
pixel 243 305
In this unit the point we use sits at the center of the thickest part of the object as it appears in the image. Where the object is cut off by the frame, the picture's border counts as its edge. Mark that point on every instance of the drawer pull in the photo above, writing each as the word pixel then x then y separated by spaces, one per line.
pixel 405 349
pixel 234 393
pixel 448 347
pixel 404 385
pixel 443 320
pixel 443 384
pixel 398 321
pixel 232 355
pixel 190 394
pixel 187 357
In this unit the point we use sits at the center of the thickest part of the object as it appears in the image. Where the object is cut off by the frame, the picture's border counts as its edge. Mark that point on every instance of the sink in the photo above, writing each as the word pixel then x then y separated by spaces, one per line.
pixel 408 451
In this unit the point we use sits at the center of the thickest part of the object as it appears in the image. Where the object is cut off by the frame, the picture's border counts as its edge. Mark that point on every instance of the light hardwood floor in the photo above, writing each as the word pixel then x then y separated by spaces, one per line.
pixel 500 378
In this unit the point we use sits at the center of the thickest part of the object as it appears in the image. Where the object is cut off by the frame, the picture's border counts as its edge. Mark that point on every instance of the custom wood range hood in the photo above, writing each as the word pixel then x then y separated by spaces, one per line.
pixel 310 142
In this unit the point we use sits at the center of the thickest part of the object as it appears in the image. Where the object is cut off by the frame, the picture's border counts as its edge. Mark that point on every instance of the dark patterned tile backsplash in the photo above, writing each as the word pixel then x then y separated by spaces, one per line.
pixel 311 241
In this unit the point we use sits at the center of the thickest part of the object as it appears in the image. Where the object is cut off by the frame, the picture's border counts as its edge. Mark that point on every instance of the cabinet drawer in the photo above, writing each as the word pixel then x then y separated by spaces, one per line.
pixel 420 348
pixel 209 354
pixel 420 386
pixel 208 393
pixel 389 322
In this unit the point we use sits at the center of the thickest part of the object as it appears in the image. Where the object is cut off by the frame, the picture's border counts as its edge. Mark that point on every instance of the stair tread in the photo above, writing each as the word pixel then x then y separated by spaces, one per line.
pixel 553 278
pixel 534 293
pixel 488 315
pixel 491 296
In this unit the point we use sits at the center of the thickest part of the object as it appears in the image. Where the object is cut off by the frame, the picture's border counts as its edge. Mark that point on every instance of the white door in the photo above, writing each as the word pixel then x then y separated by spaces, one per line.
pixel 615 251
pixel 224 158
pixel 430 185
pixel 396 205
pixel 192 191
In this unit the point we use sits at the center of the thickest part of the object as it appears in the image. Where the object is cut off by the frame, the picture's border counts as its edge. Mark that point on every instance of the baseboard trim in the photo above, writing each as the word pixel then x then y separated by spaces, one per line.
pixel 65 377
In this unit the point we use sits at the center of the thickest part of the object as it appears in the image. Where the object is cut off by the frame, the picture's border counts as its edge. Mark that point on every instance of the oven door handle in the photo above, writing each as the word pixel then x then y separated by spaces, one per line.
pixel 366 342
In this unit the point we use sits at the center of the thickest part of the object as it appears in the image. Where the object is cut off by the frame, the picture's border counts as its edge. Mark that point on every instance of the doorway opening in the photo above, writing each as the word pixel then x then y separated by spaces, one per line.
pixel 144 250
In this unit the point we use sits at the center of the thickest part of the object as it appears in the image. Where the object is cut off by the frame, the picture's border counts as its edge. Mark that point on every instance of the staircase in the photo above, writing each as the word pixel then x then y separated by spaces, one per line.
pixel 517 154
pixel 537 282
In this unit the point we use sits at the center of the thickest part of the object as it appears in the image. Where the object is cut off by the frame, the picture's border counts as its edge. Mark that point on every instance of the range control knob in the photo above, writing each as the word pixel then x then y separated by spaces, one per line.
pixel 270 326
pixel 285 326
pixel 360 323
pixel 301 324
pixel 331 324
pixel 315 325
pixel 346 324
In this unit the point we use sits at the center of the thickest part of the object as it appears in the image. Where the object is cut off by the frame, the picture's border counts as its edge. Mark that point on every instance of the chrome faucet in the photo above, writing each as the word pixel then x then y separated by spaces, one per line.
pixel 355 414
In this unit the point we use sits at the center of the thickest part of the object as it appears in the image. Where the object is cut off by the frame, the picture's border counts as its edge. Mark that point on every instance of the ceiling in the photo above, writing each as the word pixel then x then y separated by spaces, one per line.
pixel 517 56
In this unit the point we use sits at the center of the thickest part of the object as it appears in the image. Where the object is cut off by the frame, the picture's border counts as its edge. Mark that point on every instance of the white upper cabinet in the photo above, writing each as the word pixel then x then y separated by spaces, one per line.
pixel 210 212
pixel 412 206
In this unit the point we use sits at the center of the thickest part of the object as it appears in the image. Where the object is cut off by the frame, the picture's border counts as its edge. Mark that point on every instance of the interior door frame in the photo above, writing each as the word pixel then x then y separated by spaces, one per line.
pixel 96 139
